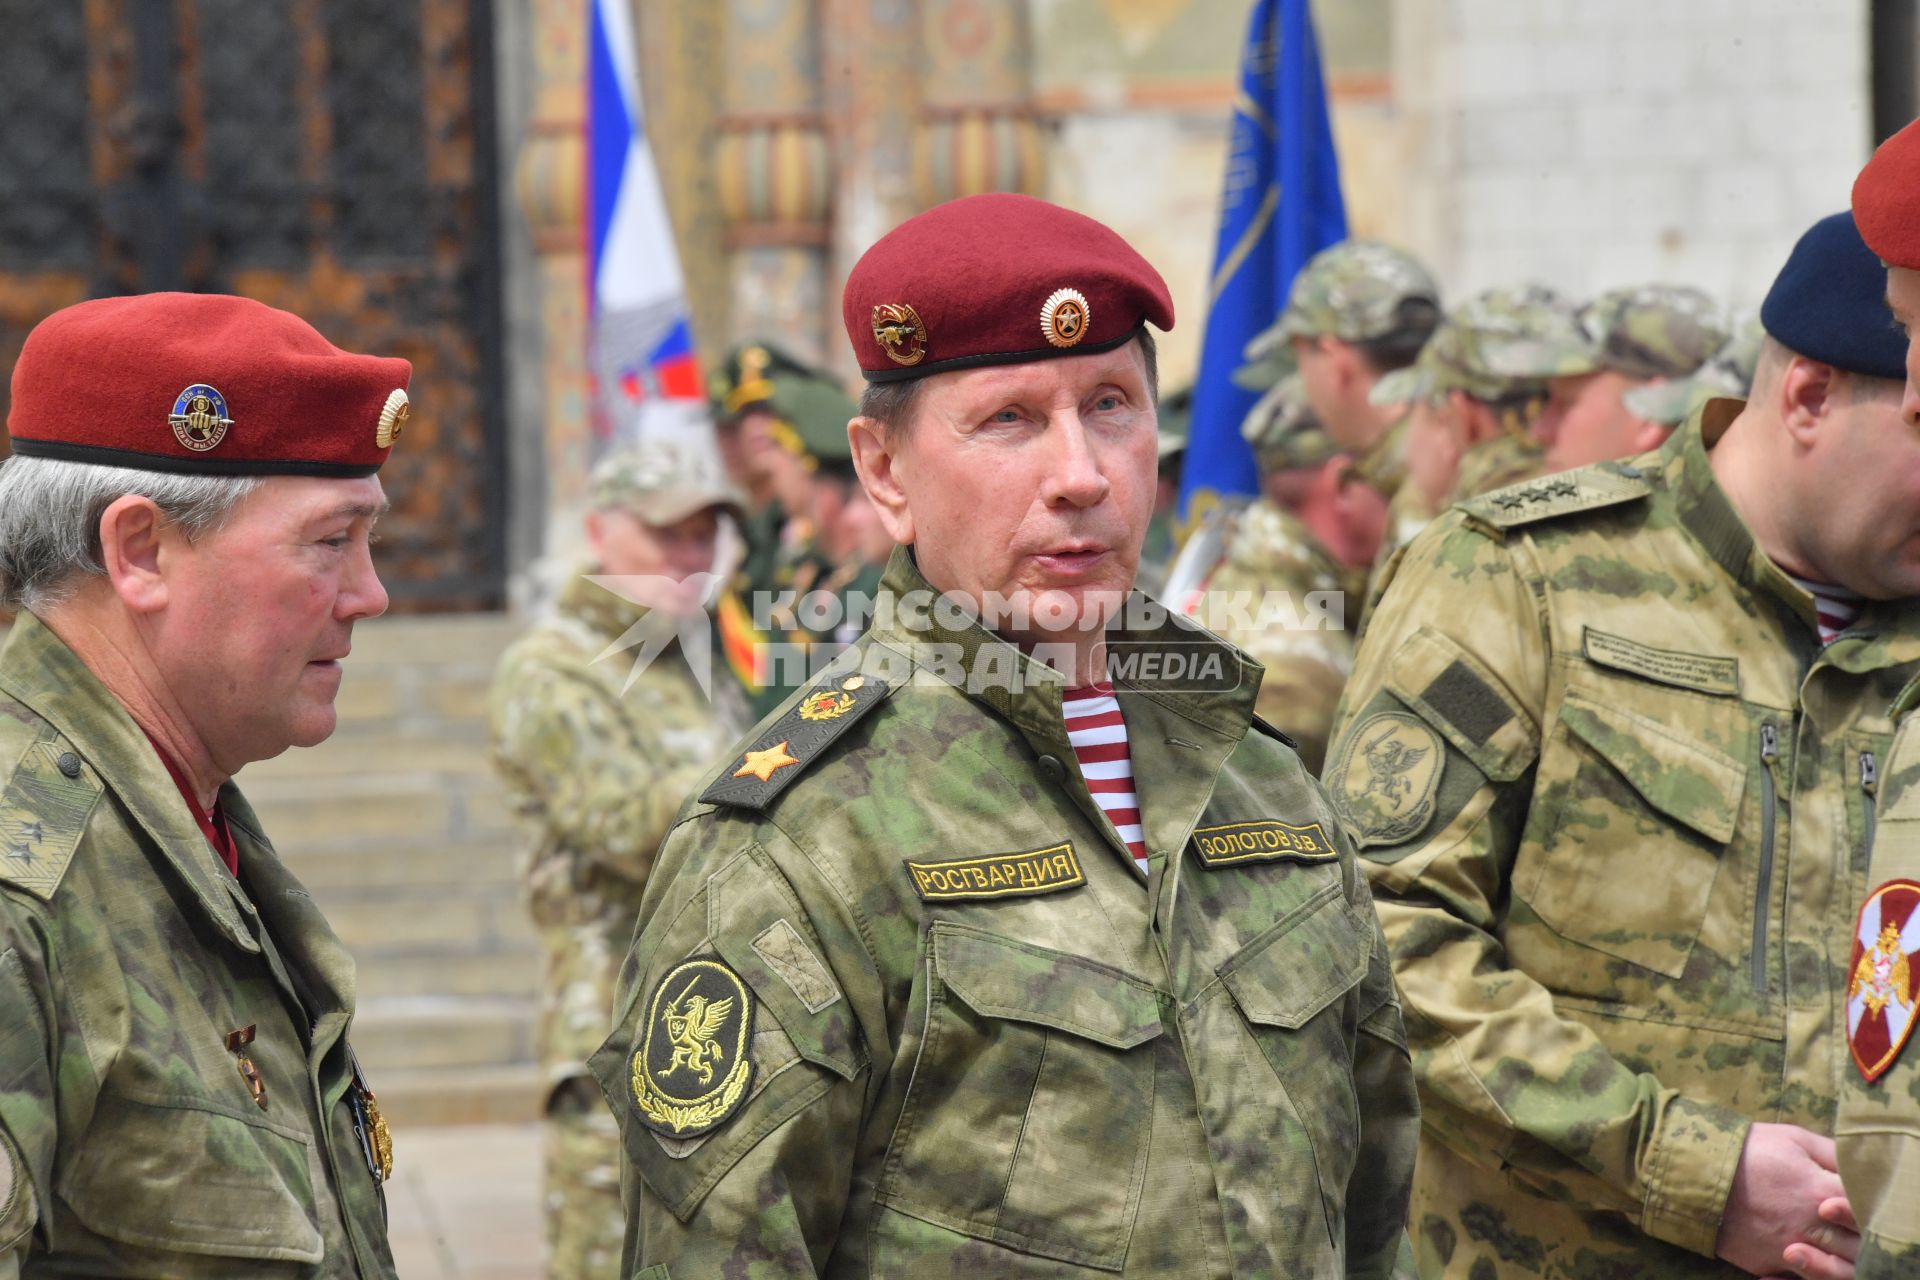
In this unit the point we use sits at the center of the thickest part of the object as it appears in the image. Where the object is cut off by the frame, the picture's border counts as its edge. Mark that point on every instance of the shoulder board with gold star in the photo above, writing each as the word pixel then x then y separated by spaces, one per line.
pixel 1548 497
pixel 43 814
pixel 784 749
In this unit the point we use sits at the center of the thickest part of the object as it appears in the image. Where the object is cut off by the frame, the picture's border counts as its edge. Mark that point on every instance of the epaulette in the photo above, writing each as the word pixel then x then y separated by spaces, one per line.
pixel 1273 731
pixel 785 748
pixel 43 814
pixel 1531 501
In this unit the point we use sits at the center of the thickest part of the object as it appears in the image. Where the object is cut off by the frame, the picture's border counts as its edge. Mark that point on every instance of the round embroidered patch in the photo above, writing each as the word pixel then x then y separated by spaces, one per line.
pixel 1387 776
pixel 1881 991
pixel 691 1070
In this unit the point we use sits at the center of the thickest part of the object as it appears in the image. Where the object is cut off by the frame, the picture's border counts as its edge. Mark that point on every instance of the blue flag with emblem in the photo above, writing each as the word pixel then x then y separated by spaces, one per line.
pixel 1279 206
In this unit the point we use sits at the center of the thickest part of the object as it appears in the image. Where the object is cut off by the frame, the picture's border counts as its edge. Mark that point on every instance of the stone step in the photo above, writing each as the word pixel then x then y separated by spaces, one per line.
pixel 379 755
pixel 414 1098
pixel 430 923
pixel 435 1031
pixel 513 974
pixel 374 871
pixel 304 812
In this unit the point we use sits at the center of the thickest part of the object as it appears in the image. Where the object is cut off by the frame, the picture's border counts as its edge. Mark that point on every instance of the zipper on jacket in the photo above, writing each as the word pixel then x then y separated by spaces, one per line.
pixel 1869 800
pixel 1762 898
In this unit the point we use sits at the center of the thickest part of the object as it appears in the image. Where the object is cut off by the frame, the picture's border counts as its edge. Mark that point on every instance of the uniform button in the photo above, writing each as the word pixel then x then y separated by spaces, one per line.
pixel 68 763
pixel 1630 472
pixel 1052 770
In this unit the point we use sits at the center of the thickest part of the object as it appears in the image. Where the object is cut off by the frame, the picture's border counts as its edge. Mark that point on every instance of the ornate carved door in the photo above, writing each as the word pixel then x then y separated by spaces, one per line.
pixel 332 157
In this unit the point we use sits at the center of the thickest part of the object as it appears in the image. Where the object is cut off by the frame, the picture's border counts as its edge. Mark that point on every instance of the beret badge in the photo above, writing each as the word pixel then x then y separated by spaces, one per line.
pixel 393 418
pixel 898 329
pixel 199 418
pixel 1064 316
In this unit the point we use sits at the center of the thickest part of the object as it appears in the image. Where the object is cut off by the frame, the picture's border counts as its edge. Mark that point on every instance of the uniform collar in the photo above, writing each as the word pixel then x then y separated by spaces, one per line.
pixel 40 671
pixel 605 613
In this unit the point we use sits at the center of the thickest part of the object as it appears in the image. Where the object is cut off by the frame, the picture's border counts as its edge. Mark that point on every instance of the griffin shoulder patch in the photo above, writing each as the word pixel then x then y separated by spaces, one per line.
pixel 1386 778
pixel 43 814
pixel 694 1062
pixel 786 747
pixel 1531 501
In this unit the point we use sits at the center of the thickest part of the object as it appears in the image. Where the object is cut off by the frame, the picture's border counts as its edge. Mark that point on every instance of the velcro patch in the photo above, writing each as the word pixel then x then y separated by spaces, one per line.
pixel 1000 875
pixel 785 952
pixel 692 1067
pixel 1262 840
pixel 1386 778
pixel 1668 666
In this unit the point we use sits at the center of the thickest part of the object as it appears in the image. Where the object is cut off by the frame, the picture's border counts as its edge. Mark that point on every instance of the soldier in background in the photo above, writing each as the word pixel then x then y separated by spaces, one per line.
pixel 601 728
pixel 1728 374
pixel 1623 339
pixel 1606 751
pixel 177 1093
pixel 1878 1128
pixel 1289 589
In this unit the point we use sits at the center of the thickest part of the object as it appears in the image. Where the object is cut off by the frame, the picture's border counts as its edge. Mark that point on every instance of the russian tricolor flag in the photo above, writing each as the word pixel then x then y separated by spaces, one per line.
pixel 646 378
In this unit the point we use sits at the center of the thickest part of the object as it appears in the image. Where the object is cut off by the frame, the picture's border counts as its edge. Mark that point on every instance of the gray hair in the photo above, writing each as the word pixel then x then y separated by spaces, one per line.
pixel 50 519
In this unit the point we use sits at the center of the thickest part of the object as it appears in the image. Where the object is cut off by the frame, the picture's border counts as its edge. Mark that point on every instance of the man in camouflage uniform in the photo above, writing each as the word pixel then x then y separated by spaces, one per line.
pixel 1356 312
pixel 1606 764
pixel 177 1094
pixel 1878 1128
pixel 601 728
pixel 1728 373
pixel 1623 339
pixel 907 998
pixel 1291 580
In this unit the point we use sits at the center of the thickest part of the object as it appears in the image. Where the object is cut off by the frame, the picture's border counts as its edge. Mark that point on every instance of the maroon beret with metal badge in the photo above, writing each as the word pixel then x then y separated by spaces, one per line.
pixel 996 279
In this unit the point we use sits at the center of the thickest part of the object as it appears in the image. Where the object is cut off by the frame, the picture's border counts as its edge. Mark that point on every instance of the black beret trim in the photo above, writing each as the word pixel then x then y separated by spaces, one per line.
pixel 910 372
pixel 134 459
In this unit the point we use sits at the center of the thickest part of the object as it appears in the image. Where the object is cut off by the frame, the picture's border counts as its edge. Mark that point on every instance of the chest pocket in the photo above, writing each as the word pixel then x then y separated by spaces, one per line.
pixel 1632 821
pixel 1027 1117
pixel 178 1177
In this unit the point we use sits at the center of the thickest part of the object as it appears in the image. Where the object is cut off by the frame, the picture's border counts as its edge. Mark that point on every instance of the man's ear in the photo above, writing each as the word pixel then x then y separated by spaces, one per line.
pixel 1807 389
pixel 876 453
pixel 138 544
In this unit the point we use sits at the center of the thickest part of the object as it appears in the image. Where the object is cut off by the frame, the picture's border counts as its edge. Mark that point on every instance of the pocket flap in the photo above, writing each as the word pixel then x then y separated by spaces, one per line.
pixel 1688 781
pixel 1301 965
pixel 1002 978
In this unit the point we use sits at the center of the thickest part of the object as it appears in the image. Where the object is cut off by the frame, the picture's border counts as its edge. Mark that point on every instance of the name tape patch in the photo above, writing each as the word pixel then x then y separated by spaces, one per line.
pixel 999 875
pixel 1668 666
pixel 1262 840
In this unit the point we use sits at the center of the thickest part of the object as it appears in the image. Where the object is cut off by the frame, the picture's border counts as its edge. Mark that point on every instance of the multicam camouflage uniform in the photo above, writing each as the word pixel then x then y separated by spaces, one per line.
pixel 1647 331
pixel 596 754
pixel 1612 794
pixel 131 1142
pixel 1267 594
pixel 960 1034
pixel 1877 1130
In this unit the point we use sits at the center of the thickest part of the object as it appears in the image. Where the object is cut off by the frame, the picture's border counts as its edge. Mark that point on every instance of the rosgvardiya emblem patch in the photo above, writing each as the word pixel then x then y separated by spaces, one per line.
pixel 1386 778
pixel 199 418
pixel 1881 992
pixel 692 1068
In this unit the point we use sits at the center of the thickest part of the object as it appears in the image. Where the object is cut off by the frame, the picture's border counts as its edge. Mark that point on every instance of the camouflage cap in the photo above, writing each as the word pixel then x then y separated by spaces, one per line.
pixel 1728 372
pixel 812 408
pixel 1283 431
pixel 1646 331
pixel 1491 347
pixel 662 482
pixel 1356 291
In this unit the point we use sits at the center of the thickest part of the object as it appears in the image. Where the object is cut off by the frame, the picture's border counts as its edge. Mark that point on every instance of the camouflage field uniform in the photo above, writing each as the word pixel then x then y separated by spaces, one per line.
pixel 1878 1127
pixel 960 1034
pixel 1590 728
pixel 598 773
pixel 131 1144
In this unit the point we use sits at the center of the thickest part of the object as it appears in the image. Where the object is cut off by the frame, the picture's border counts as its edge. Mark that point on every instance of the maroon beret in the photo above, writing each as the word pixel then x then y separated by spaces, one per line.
pixel 995 279
pixel 1886 200
pixel 203 384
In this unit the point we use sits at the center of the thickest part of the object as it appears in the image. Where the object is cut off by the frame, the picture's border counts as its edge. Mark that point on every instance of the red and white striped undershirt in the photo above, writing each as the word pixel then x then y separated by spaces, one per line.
pixel 1836 607
pixel 1098 733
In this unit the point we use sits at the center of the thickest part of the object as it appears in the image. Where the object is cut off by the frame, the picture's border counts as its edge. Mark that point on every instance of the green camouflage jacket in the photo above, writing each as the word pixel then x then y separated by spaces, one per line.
pixel 596 771
pixel 1878 1128
pixel 130 1141
pixel 900 1002
pixel 1282 599
pixel 1612 795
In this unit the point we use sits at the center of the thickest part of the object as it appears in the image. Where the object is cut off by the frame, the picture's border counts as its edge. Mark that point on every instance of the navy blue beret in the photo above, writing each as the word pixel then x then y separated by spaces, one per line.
pixel 1829 303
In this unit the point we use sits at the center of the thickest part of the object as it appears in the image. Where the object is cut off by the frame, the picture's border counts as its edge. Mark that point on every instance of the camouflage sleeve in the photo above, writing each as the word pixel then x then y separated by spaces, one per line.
pixel 563 742
pixel 747 1170
pixel 1432 769
pixel 26 1106
pixel 1377 1243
